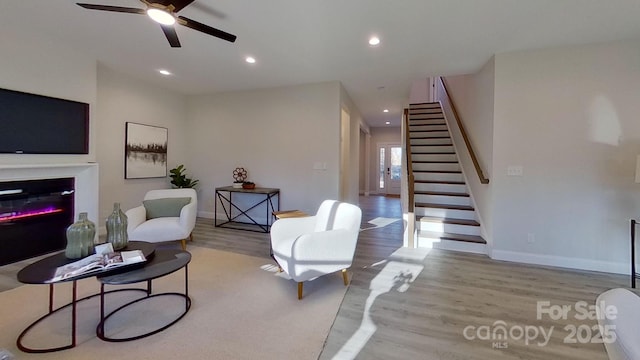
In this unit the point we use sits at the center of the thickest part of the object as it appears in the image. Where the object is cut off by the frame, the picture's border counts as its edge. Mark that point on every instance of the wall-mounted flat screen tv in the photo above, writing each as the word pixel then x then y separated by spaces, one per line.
pixel 37 124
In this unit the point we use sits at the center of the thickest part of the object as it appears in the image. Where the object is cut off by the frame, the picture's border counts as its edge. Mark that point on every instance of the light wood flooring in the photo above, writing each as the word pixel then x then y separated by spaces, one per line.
pixel 416 303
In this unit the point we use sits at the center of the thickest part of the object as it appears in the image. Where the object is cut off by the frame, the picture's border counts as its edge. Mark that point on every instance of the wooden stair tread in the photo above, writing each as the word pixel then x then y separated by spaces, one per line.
pixel 414 132
pixel 432 145
pixel 455 237
pixel 433 153
pixel 425 103
pixel 438 171
pixel 426 111
pixel 428 137
pixel 439 182
pixel 448 220
pixel 434 162
pixel 444 206
pixel 441 193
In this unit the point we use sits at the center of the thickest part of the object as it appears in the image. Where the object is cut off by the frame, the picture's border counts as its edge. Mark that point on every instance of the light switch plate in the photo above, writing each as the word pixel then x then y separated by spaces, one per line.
pixel 514 170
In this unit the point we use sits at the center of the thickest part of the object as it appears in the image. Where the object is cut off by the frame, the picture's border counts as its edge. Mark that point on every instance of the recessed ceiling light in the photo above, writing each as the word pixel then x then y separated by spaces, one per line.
pixel 164 72
pixel 388 122
pixel 250 60
pixel 374 40
pixel 385 110
pixel 161 16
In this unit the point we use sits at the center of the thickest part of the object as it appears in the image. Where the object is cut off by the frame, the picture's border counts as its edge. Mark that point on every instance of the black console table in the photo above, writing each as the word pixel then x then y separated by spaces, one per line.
pixel 225 196
pixel 634 274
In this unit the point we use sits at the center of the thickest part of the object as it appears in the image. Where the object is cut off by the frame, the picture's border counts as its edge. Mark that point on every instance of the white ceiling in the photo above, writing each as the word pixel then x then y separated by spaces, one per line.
pixel 307 41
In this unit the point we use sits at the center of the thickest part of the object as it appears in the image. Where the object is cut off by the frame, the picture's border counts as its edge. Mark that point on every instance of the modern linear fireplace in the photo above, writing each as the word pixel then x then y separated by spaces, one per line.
pixel 34 215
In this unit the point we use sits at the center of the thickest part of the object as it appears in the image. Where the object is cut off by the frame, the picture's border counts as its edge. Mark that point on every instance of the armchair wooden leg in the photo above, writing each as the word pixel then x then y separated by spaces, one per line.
pixel 183 242
pixel 345 277
pixel 191 237
pixel 300 291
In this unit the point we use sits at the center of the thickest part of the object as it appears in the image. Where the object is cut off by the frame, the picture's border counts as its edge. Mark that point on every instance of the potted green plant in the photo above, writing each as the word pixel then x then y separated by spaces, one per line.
pixel 180 180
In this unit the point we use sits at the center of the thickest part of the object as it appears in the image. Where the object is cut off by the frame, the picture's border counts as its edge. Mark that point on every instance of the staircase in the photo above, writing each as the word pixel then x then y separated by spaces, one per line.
pixel 445 217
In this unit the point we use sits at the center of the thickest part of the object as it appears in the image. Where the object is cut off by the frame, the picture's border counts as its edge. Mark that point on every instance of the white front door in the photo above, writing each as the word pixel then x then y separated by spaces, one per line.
pixel 390 168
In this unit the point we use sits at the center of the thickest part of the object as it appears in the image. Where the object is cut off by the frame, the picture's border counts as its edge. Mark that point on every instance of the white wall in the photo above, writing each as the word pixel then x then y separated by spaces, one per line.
pixel 569 116
pixel 473 96
pixel 352 192
pixel 37 66
pixel 120 100
pixel 419 91
pixel 276 134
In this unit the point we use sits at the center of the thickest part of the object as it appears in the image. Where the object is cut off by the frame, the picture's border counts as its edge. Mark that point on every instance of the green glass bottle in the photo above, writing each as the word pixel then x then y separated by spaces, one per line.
pixel 80 237
pixel 117 228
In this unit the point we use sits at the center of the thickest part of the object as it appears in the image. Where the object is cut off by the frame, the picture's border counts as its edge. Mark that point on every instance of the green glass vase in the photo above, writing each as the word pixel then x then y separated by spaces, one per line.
pixel 80 237
pixel 117 228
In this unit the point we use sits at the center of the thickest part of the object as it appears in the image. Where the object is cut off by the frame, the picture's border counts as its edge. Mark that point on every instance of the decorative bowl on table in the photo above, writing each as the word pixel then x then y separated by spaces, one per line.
pixel 248 185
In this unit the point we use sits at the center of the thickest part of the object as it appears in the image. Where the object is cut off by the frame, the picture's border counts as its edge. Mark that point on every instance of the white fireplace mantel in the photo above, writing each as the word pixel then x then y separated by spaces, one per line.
pixel 85 175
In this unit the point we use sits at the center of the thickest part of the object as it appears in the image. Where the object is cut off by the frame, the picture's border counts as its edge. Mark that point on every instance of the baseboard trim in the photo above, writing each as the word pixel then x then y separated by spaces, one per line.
pixel 561 261
pixel 206 214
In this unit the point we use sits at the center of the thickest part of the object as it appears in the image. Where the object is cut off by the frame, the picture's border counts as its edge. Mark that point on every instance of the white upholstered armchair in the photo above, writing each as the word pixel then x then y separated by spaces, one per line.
pixel 166 215
pixel 619 330
pixel 309 247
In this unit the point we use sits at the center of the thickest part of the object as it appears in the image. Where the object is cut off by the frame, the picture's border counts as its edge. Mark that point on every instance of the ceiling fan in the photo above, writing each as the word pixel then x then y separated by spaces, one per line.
pixel 165 12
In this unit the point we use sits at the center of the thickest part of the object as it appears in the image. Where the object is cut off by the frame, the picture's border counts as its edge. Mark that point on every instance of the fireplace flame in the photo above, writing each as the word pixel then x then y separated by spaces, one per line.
pixel 27 214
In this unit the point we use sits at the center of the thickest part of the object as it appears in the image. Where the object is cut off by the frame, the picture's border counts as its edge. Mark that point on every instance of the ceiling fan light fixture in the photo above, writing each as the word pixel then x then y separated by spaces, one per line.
pixel 161 16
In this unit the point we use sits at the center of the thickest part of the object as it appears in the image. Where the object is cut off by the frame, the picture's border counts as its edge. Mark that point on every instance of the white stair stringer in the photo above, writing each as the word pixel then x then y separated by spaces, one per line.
pixel 444 210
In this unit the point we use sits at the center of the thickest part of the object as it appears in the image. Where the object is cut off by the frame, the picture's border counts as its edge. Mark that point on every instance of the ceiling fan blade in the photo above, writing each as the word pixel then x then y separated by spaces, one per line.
pixel 206 29
pixel 119 9
pixel 172 36
pixel 180 4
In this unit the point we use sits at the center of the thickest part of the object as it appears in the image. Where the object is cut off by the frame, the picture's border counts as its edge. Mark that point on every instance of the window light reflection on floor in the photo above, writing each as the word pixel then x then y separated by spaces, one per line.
pixel 402 268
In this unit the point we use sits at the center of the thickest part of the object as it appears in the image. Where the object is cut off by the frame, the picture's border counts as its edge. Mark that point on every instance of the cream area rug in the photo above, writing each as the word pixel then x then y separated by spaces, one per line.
pixel 241 309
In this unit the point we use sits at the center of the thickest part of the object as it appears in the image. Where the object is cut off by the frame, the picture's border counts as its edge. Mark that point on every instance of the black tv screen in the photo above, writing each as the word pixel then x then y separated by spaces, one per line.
pixel 36 124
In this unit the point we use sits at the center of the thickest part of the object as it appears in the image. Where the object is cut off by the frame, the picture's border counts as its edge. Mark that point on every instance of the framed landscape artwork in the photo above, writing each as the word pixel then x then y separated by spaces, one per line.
pixel 145 151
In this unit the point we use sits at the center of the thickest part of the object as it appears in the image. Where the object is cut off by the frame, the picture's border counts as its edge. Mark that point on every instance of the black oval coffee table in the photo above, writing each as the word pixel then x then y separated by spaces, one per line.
pixel 164 262
pixel 41 272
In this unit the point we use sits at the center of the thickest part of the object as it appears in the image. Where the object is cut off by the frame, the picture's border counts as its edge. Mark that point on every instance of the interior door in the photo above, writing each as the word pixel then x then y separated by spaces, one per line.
pixel 390 168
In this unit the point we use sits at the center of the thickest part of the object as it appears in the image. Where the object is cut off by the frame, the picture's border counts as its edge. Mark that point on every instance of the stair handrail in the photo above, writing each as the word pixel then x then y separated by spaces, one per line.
pixel 410 230
pixel 407 151
pixel 467 142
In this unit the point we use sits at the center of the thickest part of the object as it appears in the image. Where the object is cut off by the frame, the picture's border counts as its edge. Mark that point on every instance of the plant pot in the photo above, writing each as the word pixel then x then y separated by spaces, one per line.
pixel 237 185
